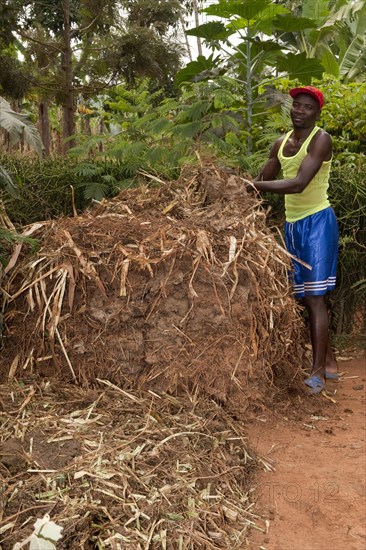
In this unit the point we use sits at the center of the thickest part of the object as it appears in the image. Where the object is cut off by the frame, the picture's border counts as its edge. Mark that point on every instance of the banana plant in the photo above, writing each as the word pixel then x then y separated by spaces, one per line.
pixel 244 43
pixel 18 126
pixel 338 39
pixel 259 40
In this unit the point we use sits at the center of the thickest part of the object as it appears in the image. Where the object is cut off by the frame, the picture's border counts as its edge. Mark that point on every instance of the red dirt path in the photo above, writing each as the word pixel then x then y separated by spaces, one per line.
pixel 315 498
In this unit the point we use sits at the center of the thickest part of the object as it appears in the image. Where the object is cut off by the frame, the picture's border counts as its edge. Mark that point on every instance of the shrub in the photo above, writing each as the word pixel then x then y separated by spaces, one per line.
pixel 51 187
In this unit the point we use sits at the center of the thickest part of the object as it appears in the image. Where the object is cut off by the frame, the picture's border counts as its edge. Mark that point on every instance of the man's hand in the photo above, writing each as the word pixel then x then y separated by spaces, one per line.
pixel 249 185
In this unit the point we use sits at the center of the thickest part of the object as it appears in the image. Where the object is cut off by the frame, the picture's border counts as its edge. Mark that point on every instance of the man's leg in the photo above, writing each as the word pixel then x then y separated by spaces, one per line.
pixel 318 320
pixel 330 362
pixel 323 358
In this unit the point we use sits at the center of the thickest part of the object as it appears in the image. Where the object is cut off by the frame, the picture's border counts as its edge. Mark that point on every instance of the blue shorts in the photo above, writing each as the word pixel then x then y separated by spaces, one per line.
pixel 314 240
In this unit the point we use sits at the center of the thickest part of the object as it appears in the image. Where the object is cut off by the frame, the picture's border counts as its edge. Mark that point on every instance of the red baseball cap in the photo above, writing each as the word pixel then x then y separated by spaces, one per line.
pixel 317 94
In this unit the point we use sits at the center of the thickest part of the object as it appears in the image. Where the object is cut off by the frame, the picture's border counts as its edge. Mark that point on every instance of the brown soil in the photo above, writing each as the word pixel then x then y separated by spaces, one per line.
pixel 314 499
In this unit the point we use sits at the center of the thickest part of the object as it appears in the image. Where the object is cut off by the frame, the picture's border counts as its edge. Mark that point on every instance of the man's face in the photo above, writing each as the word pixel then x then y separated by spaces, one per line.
pixel 304 111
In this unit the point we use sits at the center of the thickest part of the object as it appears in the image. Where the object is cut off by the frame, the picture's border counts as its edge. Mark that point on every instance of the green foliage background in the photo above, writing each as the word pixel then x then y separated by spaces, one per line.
pixel 47 188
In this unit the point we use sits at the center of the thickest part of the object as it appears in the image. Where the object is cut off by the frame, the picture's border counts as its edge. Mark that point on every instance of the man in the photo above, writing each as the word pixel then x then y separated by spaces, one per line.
pixel 304 154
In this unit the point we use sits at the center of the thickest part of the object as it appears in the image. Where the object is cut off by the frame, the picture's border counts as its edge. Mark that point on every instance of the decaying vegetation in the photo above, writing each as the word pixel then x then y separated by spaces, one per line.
pixel 169 310
pixel 181 286
pixel 124 470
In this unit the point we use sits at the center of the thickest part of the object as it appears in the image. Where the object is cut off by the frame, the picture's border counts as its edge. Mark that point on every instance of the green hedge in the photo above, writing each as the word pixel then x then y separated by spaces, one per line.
pixel 45 188
pixel 348 197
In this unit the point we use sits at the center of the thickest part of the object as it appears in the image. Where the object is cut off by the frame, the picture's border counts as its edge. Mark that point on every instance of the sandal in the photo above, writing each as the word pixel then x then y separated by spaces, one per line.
pixel 315 384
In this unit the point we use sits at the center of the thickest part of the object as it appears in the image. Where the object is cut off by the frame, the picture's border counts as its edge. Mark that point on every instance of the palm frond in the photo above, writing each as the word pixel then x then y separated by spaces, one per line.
pixel 7 182
pixel 94 190
pixel 88 169
pixel 19 126
pixel 354 54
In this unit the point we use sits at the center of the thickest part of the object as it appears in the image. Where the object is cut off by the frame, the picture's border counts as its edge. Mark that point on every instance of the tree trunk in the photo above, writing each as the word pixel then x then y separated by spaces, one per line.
pixel 87 127
pixel 189 52
pixel 68 106
pixel 44 125
pixel 197 22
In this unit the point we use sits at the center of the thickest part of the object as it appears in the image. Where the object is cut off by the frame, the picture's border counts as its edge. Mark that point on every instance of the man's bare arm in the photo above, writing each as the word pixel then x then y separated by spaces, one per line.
pixel 272 166
pixel 320 151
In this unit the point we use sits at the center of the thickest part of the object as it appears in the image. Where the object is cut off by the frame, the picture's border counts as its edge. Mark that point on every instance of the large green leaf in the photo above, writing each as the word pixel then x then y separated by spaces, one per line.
pixel 354 58
pixel 330 63
pixel 213 30
pixel 201 69
pixel 297 66
pixel 289 23
pixel 19 126
pixel 7 182
pixel 317 10
pixel 247 9
pixel 345 12
pixel 262 52
pixel 361 18
pixel 261 23
pixel 259 45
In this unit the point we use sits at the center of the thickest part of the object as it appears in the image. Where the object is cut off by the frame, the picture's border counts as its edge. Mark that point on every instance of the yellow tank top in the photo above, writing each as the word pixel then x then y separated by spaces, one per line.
pixel 314 197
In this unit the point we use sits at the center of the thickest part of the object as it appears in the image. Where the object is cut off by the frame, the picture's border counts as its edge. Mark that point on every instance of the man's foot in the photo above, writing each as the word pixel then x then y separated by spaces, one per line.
pixel 331 370
pixel 331 367
pixel 315 383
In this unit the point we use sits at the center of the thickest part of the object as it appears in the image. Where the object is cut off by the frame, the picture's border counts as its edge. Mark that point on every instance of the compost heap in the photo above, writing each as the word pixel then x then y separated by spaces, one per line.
pixel 168 309
pixel 180 287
